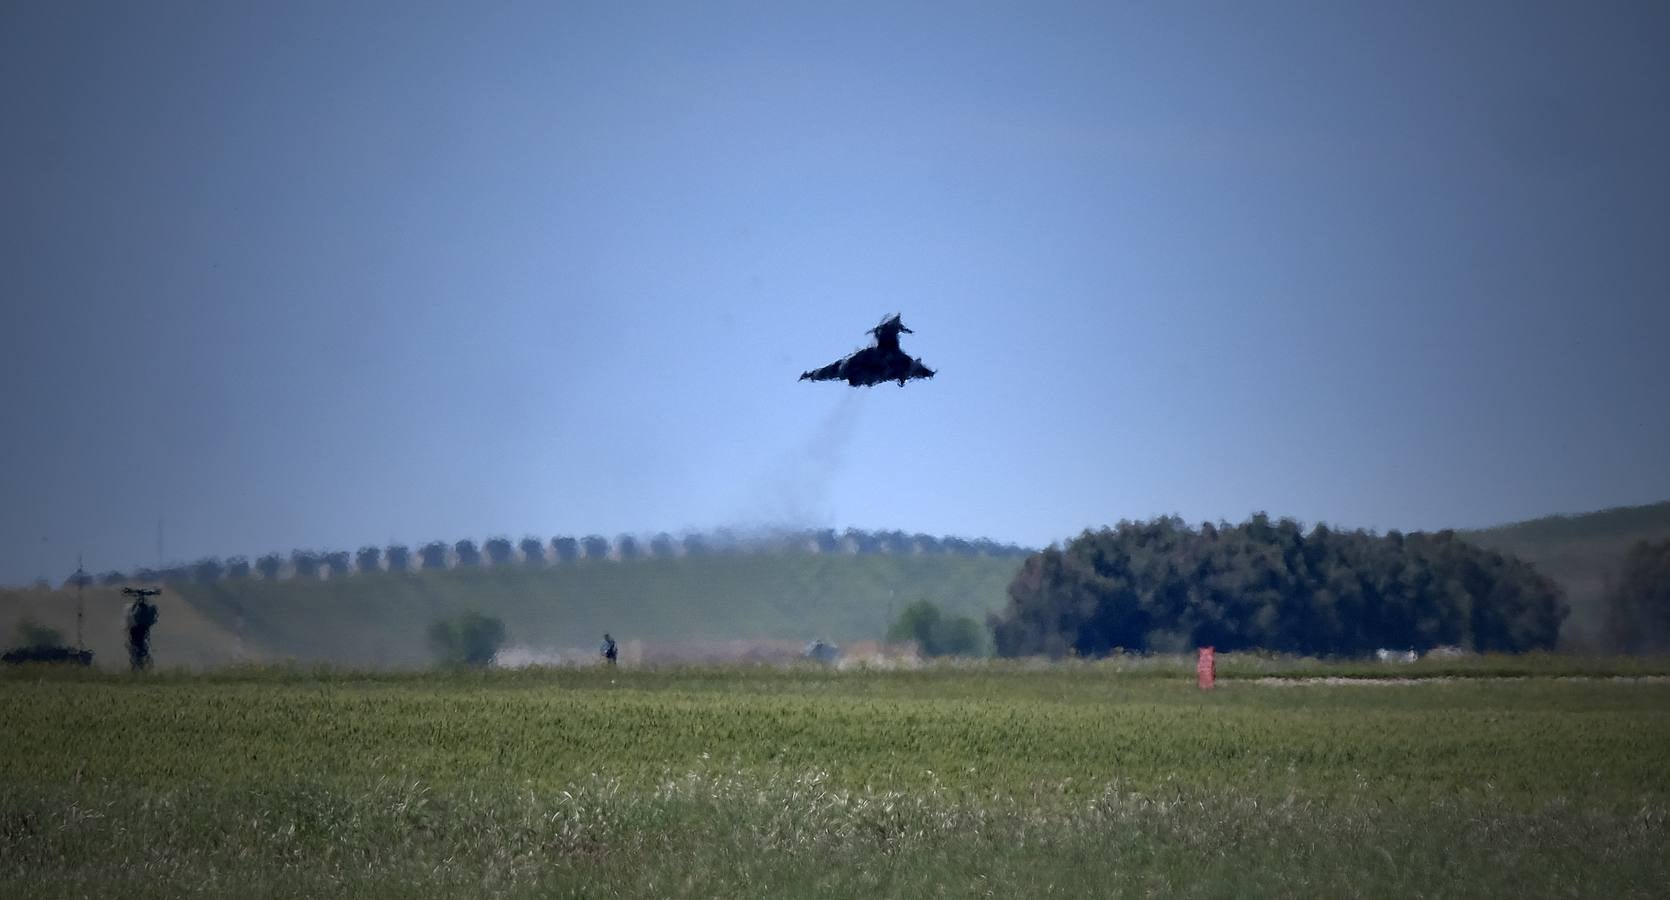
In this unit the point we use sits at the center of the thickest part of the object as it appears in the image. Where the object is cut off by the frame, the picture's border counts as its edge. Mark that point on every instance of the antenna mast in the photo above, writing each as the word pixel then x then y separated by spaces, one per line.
pixel 80 603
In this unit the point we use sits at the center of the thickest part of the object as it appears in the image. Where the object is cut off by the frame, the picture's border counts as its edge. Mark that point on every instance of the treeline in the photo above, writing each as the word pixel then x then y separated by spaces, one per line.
pixel 533 551
pixel 1165 586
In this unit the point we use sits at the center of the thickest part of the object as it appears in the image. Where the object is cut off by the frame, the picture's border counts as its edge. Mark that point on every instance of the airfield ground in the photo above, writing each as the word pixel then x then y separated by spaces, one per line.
pixel 963 781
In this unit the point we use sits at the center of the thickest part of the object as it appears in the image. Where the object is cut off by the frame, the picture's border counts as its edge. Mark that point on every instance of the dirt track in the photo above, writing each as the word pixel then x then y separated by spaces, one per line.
pixel 1440 679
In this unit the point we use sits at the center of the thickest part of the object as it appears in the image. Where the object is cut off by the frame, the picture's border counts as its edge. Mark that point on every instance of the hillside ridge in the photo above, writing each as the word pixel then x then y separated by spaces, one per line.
pixel 1582 552
pixel 792 586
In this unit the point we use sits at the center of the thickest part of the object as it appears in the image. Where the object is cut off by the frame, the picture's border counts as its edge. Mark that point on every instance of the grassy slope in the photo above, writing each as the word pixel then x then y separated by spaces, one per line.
pixel 1580 552
pixel 381 619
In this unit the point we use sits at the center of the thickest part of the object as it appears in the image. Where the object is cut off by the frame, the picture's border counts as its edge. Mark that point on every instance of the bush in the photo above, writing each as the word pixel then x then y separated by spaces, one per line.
pixel 565 549
pixel 306 563
pixel 936 635
pixel 533 551
pixel 369 559
pixel 499 550
pixel 433 555
pixel 471 639
pixel 596 546
pixel 207 570
pixel 32 634
pixel 338 562
pixel 399 557
pixel 662 546
pixel 269 565
pixel 468 553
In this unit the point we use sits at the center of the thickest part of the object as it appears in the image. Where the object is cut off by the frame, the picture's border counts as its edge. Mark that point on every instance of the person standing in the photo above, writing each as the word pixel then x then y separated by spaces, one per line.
pixel 142 614
pixel 608 649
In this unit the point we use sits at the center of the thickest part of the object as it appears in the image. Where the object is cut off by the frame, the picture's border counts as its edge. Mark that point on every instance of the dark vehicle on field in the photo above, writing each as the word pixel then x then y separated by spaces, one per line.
pixel 55 654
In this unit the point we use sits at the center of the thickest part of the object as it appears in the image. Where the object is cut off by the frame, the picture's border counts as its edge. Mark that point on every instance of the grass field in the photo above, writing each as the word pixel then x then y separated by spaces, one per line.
pixel 967 781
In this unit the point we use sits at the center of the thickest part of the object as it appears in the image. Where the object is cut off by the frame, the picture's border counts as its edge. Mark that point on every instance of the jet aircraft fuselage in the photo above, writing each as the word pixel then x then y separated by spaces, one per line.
pixel 874 365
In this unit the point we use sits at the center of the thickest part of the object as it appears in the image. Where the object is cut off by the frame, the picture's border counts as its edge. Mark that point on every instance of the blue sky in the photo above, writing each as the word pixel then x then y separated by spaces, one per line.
pixel 321 275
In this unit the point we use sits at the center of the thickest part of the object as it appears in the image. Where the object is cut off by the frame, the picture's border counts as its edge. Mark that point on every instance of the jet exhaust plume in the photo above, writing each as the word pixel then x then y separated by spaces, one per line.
pixel 793 494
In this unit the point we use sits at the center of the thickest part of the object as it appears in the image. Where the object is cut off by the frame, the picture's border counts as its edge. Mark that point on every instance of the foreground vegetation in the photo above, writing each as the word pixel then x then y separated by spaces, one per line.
pixel 1056 780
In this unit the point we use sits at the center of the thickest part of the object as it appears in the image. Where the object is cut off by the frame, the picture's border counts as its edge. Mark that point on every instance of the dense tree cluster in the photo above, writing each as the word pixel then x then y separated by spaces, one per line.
pixel 1164 586
pixel 1638 603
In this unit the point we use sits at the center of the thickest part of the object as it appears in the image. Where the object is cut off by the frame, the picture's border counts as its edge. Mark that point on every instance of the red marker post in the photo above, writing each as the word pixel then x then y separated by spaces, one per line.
pixel 1206 669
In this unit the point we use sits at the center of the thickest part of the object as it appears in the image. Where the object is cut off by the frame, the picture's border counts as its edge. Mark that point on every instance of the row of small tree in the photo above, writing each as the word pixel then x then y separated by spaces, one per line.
pixel 1164 586
pixel 532 551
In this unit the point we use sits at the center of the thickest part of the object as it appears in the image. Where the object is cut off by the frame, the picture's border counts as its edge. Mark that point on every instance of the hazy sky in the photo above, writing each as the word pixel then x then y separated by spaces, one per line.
pixel 319 275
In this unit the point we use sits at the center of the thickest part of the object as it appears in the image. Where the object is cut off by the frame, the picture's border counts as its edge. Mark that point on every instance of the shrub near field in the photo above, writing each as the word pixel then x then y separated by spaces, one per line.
pixel 1063 781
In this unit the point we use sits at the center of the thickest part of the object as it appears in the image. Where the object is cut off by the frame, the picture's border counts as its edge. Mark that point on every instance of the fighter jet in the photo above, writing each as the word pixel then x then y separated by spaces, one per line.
pixel 874 365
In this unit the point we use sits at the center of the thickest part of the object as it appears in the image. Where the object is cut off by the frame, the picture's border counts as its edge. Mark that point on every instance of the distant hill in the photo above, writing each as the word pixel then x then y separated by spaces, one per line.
pixel 1580 552
pixel 381 618
pixel 783 593
pixel 699 593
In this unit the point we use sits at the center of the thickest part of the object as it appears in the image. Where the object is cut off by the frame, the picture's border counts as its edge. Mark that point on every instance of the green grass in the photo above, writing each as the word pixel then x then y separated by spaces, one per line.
pixel 1013 780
